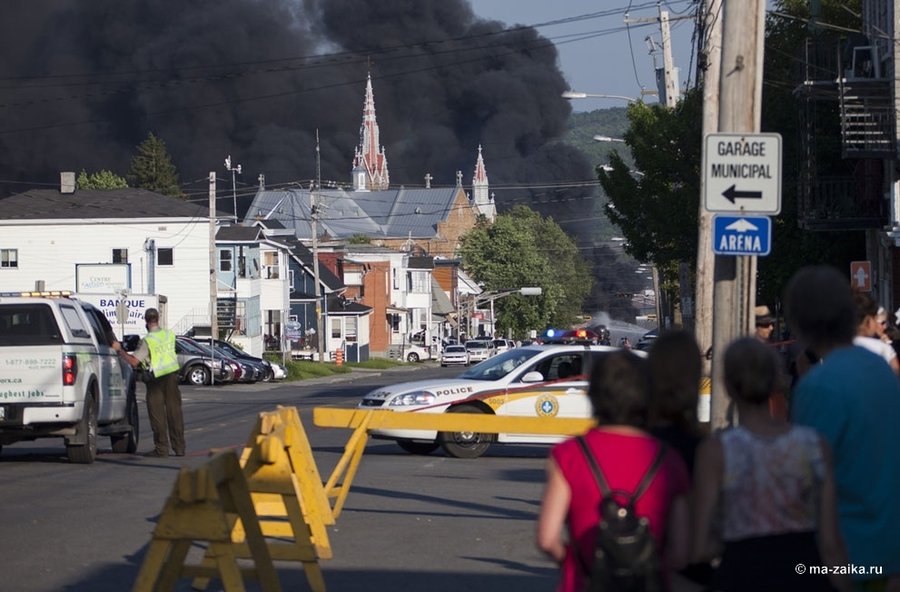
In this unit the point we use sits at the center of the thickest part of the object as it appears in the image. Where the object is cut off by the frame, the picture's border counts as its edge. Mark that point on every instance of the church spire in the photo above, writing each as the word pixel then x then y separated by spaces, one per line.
pixel 483 201
pixel 370 158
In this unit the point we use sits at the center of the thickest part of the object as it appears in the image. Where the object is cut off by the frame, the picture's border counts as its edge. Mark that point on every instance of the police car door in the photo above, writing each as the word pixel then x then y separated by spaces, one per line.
pixel 562 393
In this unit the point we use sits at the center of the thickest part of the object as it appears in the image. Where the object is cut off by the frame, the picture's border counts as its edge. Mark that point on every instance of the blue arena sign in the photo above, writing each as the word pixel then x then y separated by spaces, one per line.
pixel 742 235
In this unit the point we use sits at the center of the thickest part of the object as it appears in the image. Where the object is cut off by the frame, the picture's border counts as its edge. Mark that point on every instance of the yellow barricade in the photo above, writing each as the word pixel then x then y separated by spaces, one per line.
pixel 287 495
pixel 363 420
pixel 204 506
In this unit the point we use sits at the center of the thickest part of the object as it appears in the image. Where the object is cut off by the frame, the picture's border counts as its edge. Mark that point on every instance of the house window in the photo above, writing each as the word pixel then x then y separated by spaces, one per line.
pixel 240 317
pixel 396 279
pixel 418 281
pixel 9 258
pixel 120 255
pixel 290 279
pixel 350 332
pixel 165 256
pixel 336 327
pixel 225 259
pixel 270 264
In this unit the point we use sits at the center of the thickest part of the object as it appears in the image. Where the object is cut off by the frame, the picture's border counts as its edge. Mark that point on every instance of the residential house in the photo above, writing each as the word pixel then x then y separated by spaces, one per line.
pixel 129 239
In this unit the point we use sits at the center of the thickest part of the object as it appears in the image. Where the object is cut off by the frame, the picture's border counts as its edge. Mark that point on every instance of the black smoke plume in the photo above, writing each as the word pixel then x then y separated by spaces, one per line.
pixel 82 83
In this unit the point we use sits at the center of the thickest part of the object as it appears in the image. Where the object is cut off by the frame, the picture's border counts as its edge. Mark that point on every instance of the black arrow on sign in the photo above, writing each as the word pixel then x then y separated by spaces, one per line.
pixel 732 194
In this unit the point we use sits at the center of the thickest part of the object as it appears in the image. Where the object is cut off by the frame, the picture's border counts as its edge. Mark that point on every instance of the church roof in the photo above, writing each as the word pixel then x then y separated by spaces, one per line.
pixel 391 213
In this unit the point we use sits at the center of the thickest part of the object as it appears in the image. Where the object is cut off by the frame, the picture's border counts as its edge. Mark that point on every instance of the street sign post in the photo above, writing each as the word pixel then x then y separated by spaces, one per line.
pixel 742 235
pixel 742 173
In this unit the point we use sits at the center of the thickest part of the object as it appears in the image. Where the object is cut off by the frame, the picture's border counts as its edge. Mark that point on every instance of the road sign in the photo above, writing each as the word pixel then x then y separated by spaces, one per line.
pixel 742 235
pixel 861 276
pixel 742 173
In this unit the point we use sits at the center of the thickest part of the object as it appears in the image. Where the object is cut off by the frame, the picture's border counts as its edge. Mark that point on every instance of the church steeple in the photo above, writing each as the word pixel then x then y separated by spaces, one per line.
pixel 370 158
pixel 483 201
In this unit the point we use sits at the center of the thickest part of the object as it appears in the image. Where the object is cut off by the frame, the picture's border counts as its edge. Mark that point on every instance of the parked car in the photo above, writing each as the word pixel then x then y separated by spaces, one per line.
pixel 237 370
pixel 502 345
pixel 455 355
pixel 237 353
pixel 479 350
pixel 197 367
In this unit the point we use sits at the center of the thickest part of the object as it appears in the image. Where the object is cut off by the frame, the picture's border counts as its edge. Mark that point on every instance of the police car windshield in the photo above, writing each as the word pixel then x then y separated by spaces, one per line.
pixel 500 365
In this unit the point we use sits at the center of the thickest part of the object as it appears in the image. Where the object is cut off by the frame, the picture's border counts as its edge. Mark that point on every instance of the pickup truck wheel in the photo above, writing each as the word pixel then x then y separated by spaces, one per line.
pixel 127 443
pixel 421 448
pixel 197 375
pixel 412 357
pixel 465 444
pixel 84 454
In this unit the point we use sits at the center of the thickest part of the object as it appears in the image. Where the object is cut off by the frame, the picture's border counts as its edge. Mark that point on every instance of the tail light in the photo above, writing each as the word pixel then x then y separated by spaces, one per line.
pixel 69 369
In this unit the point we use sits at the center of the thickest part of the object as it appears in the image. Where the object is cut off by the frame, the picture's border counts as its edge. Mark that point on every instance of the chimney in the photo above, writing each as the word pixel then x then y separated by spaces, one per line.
pixel 67 182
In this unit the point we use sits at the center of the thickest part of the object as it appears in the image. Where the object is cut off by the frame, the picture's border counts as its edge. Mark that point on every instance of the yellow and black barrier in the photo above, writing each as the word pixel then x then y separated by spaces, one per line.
pixel 203 507
pixel 363 420
pixel 287 495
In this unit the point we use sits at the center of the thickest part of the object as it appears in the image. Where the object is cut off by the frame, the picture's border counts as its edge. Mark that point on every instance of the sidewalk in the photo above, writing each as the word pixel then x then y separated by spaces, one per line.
pixel 357 373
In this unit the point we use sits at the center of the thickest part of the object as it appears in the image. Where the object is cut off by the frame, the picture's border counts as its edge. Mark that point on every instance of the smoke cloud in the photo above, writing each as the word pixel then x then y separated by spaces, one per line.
pixel 82 84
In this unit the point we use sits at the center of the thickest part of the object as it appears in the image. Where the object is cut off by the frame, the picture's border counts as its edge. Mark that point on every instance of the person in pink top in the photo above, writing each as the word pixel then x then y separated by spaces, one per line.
pixel 620 393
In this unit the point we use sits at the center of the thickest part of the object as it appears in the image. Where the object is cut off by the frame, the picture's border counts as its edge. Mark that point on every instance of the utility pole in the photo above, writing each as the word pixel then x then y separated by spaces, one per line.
pixel 740 96
pixel 314 214
pixel 237 169
pixel 213 283
pixel 668 63
pixel 712 58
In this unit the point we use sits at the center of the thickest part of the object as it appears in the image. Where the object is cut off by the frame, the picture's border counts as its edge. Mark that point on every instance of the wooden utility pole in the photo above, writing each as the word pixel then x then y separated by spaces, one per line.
pixel 712 58
pixel 740 98
pixel 213 283
pixel 314 215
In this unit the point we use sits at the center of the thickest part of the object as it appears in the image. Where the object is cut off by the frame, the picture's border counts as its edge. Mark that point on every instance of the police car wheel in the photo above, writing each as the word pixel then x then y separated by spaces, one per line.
pixel 465 444
pixel 413 447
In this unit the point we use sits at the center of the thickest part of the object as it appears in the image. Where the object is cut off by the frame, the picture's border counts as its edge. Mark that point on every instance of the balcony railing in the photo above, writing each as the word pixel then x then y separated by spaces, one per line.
pixel 842 203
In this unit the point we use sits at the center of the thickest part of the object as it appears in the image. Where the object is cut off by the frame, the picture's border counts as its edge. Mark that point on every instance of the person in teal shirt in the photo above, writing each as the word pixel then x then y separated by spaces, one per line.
pixel 852 398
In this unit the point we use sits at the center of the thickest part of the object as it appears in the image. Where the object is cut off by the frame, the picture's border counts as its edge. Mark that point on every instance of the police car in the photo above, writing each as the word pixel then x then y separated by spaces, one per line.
pixel 529 381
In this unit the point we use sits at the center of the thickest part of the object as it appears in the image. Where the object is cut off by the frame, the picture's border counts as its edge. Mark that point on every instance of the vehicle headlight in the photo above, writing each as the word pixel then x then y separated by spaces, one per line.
pixel 417 398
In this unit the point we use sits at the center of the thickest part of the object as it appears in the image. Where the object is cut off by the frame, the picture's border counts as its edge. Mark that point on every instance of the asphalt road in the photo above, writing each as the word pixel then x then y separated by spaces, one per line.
pixel 410 522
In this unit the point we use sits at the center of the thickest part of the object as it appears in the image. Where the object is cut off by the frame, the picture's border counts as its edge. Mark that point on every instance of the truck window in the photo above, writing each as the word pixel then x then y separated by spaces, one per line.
pixel 73 321
pixel 28 324
pixel 101 326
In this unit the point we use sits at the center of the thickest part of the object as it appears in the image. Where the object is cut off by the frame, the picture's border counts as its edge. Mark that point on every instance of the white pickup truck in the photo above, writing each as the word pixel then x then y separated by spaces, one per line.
pixel 60 377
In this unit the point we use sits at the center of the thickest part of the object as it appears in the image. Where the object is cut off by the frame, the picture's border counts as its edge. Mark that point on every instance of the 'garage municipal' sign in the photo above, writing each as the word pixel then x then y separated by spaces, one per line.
pixel 742 173
pixel 742 235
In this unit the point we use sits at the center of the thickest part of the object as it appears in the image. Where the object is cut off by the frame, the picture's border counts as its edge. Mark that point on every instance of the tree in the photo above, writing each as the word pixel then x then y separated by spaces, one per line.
pixel 359 239
pixel 100 180
pixel 521 249
pixel 152 168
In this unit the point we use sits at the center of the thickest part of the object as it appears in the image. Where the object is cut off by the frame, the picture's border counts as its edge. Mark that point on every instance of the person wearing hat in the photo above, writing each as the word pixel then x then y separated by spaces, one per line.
pixel 765 323
pixel 157 351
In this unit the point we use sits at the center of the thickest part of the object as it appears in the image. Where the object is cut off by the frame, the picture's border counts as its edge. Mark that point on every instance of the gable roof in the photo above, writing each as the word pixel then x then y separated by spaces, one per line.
pixel 127 203
pixel 391 213
pixel 304 256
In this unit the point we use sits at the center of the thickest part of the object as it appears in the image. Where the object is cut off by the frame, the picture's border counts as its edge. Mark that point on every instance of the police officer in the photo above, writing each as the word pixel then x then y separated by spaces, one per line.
pixel 157 350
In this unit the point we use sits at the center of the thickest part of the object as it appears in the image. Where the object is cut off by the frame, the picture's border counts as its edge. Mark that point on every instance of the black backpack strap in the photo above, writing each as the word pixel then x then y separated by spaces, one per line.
pixel 595 468
pixel 642 486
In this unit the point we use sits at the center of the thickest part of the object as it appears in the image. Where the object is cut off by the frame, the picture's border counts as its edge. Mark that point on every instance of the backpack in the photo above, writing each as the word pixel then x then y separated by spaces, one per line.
pixel 625 557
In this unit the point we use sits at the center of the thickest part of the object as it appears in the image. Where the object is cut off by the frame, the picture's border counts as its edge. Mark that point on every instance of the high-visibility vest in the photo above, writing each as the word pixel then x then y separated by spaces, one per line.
pixel 163 359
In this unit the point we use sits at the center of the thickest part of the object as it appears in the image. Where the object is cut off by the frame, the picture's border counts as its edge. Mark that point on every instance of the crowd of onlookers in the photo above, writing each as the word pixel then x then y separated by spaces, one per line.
pixel 765 503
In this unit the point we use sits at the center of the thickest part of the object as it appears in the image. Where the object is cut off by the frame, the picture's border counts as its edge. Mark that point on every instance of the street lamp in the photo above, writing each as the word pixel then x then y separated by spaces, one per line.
pixel 571 94
pixel 493 295
pixel 607 139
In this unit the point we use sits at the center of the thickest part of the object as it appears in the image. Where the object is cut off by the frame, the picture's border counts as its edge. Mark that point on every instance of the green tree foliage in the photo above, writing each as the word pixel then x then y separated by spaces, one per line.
pixel 100 180
pixel 152 168
pixel 656 205
pixel 521 249
pixel 359 239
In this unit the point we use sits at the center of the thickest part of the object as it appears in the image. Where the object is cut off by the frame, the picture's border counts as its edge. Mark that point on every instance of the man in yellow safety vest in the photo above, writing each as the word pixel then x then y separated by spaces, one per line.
pixel 157 351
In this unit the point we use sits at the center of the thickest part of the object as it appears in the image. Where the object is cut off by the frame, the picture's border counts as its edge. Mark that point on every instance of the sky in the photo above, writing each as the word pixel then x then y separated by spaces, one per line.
pixel 599 53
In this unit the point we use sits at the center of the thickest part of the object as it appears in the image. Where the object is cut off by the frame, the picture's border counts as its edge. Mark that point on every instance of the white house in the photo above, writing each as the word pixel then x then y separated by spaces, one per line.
pixel 92 240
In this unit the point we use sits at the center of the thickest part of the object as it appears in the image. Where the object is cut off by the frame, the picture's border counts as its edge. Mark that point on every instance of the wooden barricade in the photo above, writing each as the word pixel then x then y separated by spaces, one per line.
pixel 287 496
pixel 363 420
pixel 203 507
